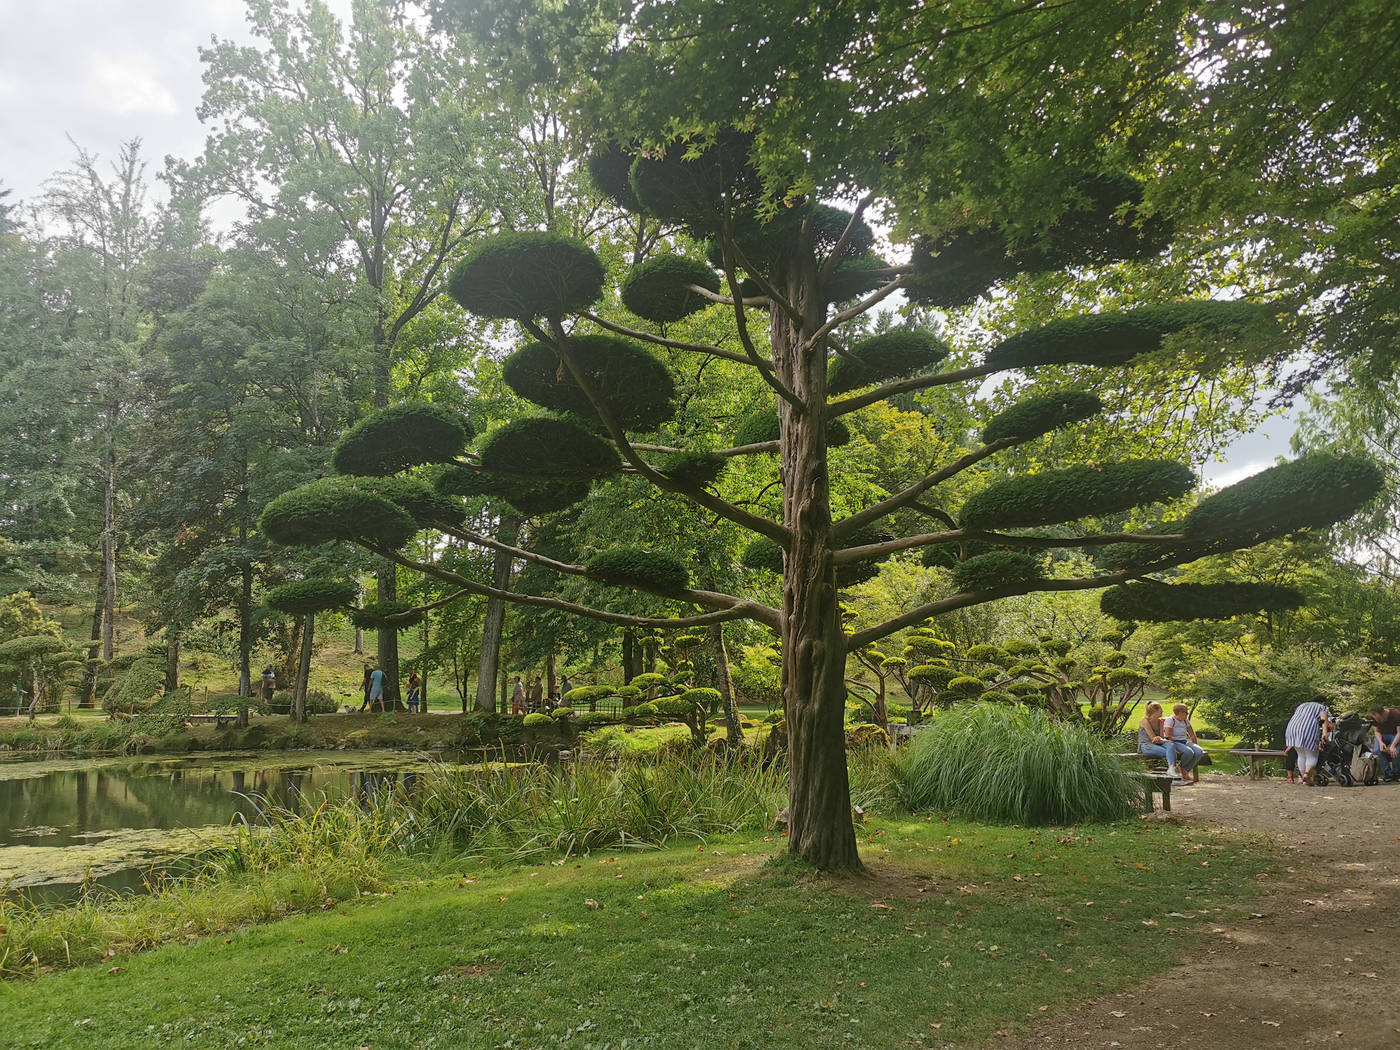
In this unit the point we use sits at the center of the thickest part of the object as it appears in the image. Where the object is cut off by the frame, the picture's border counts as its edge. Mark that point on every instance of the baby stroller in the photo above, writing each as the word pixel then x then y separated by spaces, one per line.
pixel 1349 741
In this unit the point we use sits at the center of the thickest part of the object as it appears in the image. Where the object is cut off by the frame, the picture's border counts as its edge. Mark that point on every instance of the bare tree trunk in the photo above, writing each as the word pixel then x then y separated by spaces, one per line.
pixel 733 730
pixel 90 675
pixel 109 540
pixel 308 626
pixel 423 675
pixel 291 654
pixel 494 626
pixel 360 631
pixel 551 678
pixel 172 657
pixel 814 656
pixel 631 661
pixel 387 641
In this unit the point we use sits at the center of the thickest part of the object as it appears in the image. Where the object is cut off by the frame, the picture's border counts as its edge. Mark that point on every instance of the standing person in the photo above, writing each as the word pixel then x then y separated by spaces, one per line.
pixel 565 686
pixel 1309 726
pixel 269 683
pixel 1385 727
pixel 1153 739
pixel 1189 752
pixel 365 683
pixel 517 698
pixel 537 695
pixel 376 688
pixel 413 692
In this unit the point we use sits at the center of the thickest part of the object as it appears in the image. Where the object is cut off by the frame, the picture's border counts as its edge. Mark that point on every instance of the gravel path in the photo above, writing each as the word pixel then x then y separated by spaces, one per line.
pixel 1318 965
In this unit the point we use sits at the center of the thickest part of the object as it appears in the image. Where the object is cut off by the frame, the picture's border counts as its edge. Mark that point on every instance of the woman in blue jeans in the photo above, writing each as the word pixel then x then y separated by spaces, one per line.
pixel 1153 740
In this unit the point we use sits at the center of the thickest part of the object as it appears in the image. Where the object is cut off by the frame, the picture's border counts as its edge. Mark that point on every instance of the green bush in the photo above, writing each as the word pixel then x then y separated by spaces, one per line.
pixel 632 566
pixel 139 686
pixel 1153 602
pixel 657 289
pixel 1015 765
pixel 693 468
pixel 996 569
pixel 561 712
pixel 1055 496
pixel 306 597
pixel 1040 415
pixel 338 508
pixel 526 275
pixel 543 447
pixel 594 718
pixel 537 718
pixel 401 436
pixel 636 386
pixel 890 355
pixel 1253 695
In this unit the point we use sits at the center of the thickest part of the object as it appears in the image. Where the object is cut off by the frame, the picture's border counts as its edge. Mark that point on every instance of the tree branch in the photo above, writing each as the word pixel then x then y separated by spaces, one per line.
pixel 673 344
pixel 903 386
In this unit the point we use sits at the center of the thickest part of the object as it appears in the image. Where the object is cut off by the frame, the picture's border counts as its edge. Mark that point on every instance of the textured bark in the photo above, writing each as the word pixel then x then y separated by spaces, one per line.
pixel 172 657
pixel 387 642
pixel 725 684
pixel 551 677
pixel 360 631
pixel 89 698
pixel 109 542
pixel 814 656
pixel 631 665
pixel 494 625
pixel 308 625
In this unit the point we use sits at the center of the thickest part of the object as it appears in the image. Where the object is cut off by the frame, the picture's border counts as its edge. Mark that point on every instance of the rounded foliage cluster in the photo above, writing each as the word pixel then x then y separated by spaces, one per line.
pixel 537 718
pixel 426 505
pixel 29 647
pixel 528 496
pixel 1161 602
pixel 305 597
pixel 610 168
pixel 338 508
pixel 936 676
pixel 763 427
pixel 543 447
pixel 996 569
pixel 1115 337
pixel 693 468
pixel 634 567
pixel 659 289
pixel 526 275
pixel 634 385
pixel 1310 492
pixel 1055 496
pixel 765 246
pixel 703 696
pixel 1040 415
pixel 956 268
pixel 855 277
pixel 587 694
pixel 400 436
pixel 689 182
pixel 674 707
pixel 891 355
pixel 387 616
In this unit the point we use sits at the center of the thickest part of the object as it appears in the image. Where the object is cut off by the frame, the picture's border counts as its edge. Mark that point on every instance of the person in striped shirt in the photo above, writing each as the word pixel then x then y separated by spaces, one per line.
pixel 1309 726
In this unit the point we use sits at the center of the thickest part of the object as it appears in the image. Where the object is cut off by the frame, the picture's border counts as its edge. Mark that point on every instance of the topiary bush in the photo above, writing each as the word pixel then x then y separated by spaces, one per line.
pixel 1056 496
pixel 387 616
pixel 997 569
pixel 537 718
pixel 526 275
pixel 1040 415
pixel 542 447
pixel 562 712
pixel 529 497
pixel 426 505
pixel 1015 765
pixel 1153 602
pixel 1115 337
pixel 636 387
pixel 634 567
pixel 307 597
pixel 336 508
pixel 890 355
pixel 401 436
pixel 693 468
pixel 658 289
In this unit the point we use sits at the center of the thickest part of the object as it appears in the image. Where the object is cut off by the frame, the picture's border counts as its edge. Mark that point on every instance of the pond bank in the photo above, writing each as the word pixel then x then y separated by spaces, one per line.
pixel 90 735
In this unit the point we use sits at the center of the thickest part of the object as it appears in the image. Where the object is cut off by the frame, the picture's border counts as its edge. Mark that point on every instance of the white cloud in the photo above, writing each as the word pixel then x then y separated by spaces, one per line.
pixel 126 88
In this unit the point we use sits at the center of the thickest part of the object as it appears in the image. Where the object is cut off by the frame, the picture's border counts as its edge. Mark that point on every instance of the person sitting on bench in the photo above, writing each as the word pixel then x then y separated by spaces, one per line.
pixel 1153 739
pixel 1188 752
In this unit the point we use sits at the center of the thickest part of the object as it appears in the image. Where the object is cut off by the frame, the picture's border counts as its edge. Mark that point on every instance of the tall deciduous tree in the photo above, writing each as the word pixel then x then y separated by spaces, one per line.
pixel 366 152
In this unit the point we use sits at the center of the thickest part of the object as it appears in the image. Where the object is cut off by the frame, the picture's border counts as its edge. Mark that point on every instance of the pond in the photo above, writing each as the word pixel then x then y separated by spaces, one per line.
pixel 66 823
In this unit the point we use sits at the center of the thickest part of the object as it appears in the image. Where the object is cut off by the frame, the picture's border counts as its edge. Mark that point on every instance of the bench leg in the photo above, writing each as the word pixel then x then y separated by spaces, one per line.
pixel 1167 797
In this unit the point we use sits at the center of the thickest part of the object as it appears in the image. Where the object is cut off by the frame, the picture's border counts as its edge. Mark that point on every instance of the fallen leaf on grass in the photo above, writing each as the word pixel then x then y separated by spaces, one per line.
pixel 592 903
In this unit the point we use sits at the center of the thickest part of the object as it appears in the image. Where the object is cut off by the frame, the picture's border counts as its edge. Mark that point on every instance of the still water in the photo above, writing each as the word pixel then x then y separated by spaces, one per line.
pixel 110 822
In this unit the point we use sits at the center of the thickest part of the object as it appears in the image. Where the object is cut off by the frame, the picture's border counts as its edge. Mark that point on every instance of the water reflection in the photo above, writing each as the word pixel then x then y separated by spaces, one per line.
pixel 63 823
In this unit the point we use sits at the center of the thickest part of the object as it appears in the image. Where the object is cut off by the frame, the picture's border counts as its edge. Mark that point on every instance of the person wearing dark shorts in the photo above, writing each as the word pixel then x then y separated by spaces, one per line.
pixel 269 683
pixel 1385 727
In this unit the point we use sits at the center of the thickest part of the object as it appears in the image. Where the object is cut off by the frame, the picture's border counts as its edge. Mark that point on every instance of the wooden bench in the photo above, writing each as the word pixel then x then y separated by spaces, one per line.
pixel 1154 761
pixel 1255 756
pixel 1155 784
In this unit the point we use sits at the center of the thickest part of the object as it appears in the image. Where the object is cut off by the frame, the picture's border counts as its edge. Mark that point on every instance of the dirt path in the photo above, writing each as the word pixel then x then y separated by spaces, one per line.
pixel 1319 965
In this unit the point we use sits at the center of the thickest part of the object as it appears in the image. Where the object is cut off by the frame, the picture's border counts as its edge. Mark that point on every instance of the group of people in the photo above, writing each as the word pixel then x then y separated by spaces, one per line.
pixel 1172 738
pixel 529 697
pixel 1312 723
pixel 373 685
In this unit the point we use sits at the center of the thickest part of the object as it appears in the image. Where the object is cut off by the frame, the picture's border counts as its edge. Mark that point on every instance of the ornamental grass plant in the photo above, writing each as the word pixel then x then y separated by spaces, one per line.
pixel 1014 765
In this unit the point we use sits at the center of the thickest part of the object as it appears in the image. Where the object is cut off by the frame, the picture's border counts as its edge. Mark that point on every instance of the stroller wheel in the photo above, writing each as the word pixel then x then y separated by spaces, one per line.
pixel 1319 777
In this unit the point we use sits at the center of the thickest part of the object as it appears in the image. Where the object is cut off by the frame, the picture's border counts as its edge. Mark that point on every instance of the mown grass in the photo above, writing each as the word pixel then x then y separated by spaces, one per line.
pixel 960 930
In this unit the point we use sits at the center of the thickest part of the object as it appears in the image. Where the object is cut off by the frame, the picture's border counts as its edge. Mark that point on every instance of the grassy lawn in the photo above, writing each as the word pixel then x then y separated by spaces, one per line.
pixel 960 931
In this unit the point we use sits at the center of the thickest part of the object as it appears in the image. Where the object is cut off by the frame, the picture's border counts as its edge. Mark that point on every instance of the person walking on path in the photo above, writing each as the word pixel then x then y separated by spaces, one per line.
pixel 1153 739
pixel 269 683
pixel 365 683
pixel 517 698
pixel 1309 726
pixel 1385 726
pixel 537 695
pixel 376 688
pixel 413 686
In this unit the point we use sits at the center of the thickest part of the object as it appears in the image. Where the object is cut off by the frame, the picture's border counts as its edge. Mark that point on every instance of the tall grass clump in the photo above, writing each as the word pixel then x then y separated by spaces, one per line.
pixel 1015 765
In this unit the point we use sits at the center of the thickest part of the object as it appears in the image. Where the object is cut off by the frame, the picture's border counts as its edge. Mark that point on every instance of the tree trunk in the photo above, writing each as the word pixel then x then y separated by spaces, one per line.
pixel 308 625
pixel 360 631
pixel 814 656
pixel 494 625
pixel 90 675
pixel 725 685
pixel 423 674
pixel 245 639
pixel 387 641
pixel 172 657
pixel 551 677
pixel 291 653
pixel 109 540
pixel 631 663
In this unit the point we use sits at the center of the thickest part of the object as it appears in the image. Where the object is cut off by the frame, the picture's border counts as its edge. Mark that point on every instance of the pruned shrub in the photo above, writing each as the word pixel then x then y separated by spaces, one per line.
pixel 1153 602
pixel 526 275
pixel 634 567
pixel 1056 496
pixel 890 355
pixel 997 569
pixel 1040 415
pixel 400 436
pixel 636 387
pixel 542 447
pixel 537 718
pixel 338 508
pixel 305 597
pixel 562 712
pixel 658 289
pixel 1017 765
pixel 386 616
pixel 528 496
pixel 693 468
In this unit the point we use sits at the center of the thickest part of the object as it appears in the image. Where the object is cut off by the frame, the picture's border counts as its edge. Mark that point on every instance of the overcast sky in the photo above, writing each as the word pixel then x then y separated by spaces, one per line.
pixel 102 72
